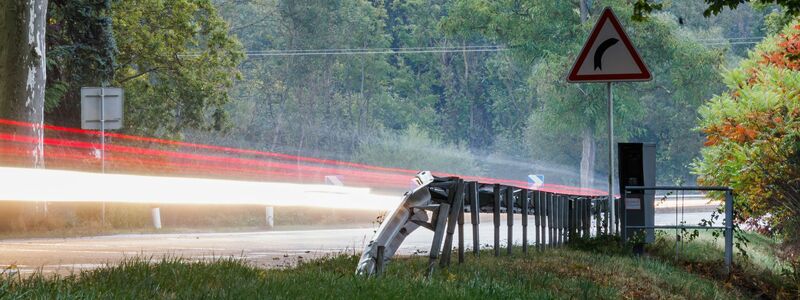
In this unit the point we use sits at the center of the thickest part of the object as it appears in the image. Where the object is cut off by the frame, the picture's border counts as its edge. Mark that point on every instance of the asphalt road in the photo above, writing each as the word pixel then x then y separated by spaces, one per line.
pixel 272 249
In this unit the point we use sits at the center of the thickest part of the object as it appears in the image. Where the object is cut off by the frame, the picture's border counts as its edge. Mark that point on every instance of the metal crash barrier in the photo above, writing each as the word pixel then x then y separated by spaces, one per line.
pixel 439 204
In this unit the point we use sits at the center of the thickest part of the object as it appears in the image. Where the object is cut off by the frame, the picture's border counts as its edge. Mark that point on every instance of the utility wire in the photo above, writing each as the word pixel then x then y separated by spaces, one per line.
pixel 378 49
pixel 440 49
pixel 358 51
pixel 731 43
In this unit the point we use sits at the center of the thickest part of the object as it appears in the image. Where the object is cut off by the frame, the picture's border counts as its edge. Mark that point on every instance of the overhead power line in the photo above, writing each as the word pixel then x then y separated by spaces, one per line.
pixel 366 51
pixel 441 49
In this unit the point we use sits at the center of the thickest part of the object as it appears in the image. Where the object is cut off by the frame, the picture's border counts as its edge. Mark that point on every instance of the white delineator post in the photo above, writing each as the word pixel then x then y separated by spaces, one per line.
pixel 270 213
pixel 156 213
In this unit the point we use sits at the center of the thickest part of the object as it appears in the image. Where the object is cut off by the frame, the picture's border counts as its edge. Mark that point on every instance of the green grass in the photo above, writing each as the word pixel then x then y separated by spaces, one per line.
pixel 558 273
pixel 761 273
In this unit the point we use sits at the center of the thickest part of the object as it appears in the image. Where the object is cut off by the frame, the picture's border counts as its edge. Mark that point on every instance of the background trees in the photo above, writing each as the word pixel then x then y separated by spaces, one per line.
pixel 186 76
pixel 174 59
pixel 662 111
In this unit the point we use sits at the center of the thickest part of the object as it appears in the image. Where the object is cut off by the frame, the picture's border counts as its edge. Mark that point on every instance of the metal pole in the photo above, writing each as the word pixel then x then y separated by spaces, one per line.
pixel 611 157
pixel 523 196
pixel 103 144
pixel 728 230
pixel 474 214
pixel 496 220
pixel 510 217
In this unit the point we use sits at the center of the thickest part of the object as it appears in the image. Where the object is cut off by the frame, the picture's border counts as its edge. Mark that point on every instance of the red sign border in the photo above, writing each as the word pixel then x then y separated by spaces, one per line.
pixel 608 15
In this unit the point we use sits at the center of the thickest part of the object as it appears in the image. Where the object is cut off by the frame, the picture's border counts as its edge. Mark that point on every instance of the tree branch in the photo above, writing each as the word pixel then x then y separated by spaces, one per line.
pixel 138 75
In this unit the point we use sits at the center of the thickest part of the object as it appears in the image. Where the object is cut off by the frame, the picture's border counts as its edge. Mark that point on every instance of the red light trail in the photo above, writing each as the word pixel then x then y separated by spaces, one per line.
pixel 216 162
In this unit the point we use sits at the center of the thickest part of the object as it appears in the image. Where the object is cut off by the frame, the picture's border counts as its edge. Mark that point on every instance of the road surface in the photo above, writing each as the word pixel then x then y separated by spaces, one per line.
pixel 271 249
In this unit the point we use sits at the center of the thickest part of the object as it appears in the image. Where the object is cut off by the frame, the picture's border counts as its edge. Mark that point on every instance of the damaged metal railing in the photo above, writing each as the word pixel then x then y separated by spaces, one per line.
pixel 556 218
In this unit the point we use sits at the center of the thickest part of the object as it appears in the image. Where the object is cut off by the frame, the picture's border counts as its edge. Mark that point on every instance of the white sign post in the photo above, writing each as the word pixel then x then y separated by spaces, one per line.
pixel 101 109
pixel 609 56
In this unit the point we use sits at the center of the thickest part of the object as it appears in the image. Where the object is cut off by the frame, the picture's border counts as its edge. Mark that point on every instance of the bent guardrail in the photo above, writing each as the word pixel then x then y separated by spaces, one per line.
pixel 556 218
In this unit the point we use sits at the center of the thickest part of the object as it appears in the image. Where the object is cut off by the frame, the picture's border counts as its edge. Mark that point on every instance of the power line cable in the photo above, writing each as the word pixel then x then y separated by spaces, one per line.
pixel 357 51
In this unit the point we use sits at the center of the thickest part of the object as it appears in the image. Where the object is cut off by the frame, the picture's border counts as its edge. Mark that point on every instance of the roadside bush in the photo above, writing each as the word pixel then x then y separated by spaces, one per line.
pixel 792 275
pixel 753 135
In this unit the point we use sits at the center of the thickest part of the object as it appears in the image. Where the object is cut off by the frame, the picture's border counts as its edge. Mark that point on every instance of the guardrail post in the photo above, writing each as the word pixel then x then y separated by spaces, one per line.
pixel 439 217
pixel 564 219
pixel 578 206
pixel 474 214
pixel 559 220
pixel 606 214
pixel 379 261
pixel 596 211
pixel 537 218
pixel 456 197
pixel 496 215
pixel 728 230
pixel 550 218
pixel 571 219
pixel 523 197
pixel 587 217
pixel 510 217
pixel 461 228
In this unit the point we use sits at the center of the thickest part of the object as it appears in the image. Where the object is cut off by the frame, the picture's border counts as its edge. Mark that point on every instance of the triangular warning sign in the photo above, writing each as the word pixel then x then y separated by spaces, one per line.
pixel 608 55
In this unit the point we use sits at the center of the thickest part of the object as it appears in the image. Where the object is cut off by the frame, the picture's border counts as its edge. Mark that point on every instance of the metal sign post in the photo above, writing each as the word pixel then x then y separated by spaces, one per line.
pixel 613 59
pixel 103 146
pixel 101 109
pixel 102 136
pixel 611 199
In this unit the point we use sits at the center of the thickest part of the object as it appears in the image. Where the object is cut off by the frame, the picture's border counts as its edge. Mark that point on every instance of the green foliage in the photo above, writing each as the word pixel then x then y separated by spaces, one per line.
pixel 644 7
pixel 176 62
pixel 417 150
pixel 179 62
pixel 81 51
pixel 753 134
pixel 174 59
pixel 660 111
pixel 792 274
pixel 321 105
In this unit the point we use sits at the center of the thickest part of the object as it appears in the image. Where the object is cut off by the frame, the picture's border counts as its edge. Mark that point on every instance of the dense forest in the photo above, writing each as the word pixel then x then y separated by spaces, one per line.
pixel 463 86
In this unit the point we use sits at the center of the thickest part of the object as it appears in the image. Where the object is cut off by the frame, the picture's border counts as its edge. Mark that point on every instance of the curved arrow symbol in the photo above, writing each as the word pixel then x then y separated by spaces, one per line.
pixel 598 54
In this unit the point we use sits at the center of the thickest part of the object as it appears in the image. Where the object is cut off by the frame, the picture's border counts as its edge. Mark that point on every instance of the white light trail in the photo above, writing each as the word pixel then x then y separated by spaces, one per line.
pixel 21 184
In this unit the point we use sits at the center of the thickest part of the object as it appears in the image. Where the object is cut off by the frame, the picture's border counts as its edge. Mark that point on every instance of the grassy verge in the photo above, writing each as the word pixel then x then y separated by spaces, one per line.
pixel 558 273
pixel 759 272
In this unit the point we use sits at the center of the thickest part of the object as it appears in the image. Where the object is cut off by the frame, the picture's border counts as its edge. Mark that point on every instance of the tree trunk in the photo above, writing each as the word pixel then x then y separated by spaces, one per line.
pixel 587 158
pixel 588 149
pixel 23 71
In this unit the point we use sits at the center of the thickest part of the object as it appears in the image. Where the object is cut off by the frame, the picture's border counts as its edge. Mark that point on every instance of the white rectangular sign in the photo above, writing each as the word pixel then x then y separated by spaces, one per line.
pixel 112 107
pixel 633 203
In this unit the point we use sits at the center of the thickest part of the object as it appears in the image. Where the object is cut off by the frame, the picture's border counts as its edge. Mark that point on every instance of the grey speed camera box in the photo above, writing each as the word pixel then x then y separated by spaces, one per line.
pixel 637 167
